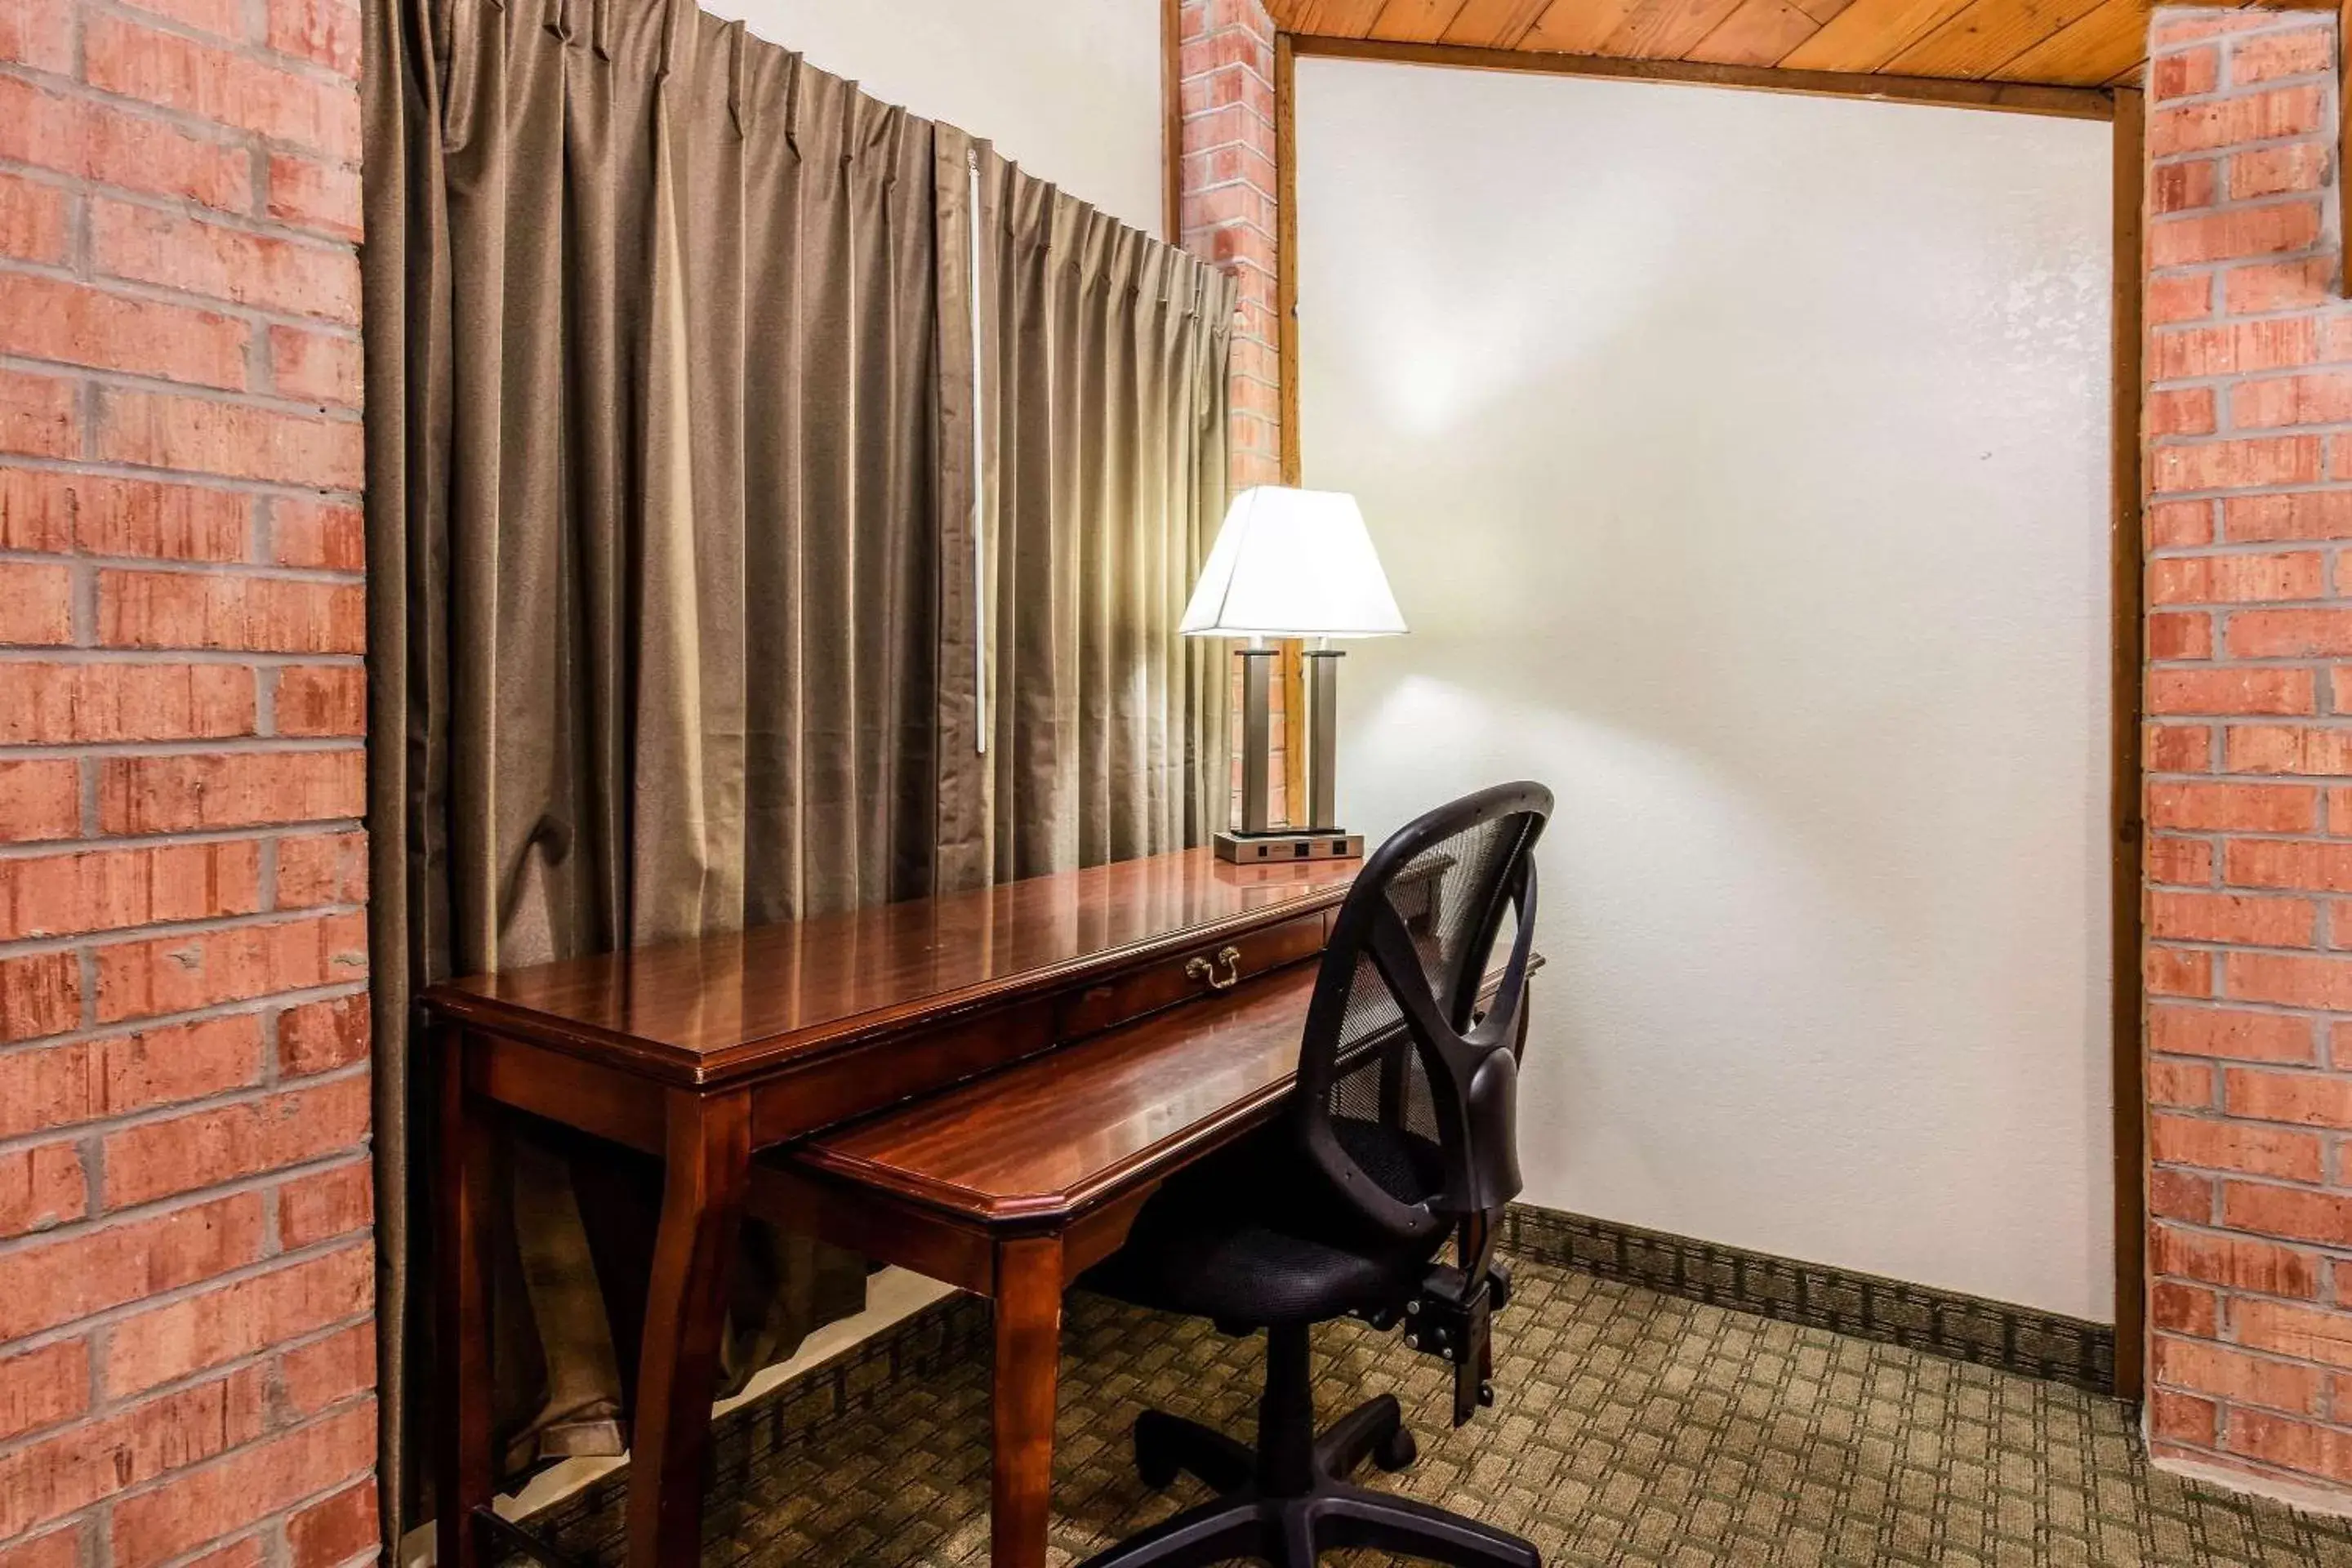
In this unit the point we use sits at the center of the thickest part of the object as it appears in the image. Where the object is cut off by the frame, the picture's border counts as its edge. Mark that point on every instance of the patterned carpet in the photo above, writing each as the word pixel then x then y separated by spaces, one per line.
pixel 1630 1428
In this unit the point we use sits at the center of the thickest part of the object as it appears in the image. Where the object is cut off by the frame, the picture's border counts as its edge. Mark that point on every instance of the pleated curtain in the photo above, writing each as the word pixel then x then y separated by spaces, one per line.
pixel 675 623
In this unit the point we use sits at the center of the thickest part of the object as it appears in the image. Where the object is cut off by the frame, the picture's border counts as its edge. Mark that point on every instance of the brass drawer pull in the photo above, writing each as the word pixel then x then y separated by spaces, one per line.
pixel 1200 968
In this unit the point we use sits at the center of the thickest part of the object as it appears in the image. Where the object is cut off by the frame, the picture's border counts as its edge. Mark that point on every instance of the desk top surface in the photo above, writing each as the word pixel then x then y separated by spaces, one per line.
pixel 805 985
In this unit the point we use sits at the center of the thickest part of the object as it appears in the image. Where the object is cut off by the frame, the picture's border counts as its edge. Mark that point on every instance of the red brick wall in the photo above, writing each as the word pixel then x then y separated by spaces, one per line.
pixel 2249 692
pixel 186 1352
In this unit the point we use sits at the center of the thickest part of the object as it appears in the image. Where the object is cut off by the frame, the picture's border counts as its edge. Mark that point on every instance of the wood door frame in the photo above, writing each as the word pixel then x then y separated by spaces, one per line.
pixel 2124 108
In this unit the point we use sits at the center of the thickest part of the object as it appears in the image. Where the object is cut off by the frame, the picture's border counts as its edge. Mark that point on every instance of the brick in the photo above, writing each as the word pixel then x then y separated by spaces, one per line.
pixel 219 85
pixel 2236 1034
pixel 2179 28
pixel 2181 1195
pixel 2287 748
pixel 324 31
pixel 35 604
pixel 187 1511
pixel 64 704
pixel 61 895
pixel 39 799
pixel 327 1203
pixel 2181 411
pixel 2186 298
pixel 39 33
pixel 41 1186
pixel 2303 52
pixel 2295 1213
pixel 2233 233
pixel 42 1387
pixel 54 1476
pixel 180 794
pixel 230 610
pixel 2223 122
pixel 2291 1443
pixel 2235 1262
pixel 2278 286
pixel 143 518
pixel 2186 1086
pixel 97 141
pixel 88 1270
pixel 296 276
pixel 322 700
pixel 318 533
pixel 224 18
pixel 2230 691
pixel 91 1080
pixel 2236 465
pixel 2210 1145
pixel 325 1373
pixel 2179 524
pixel 2256 921
pixel 2236 579
pixel 37 510
pixel 199 436
pixel 39 994
pixel 2177 972
pixel 2289 980
pixel 2233 808
pixel 2188 861
pixel 2237 1377
pixel 2312 514
pixel 2286 1329
pixel 52 319
pixel 37 415
pixel 2183 1418
pixel 32 220
pixel 203 1148
pixel 2232 349
pixel 2275 171
pixel 325 869
pixel 237 1319
pixel 2312 865
pixel 2180 634
pixel 320 1037
pixel 2307 1098
pixel 335 1531
pixel 2182 186
pixel 2179 748
pixel 2314 399
pixel 2188 74
pixel 315 367
pixel 323 197
pixel 2179 1308
pixel 181 974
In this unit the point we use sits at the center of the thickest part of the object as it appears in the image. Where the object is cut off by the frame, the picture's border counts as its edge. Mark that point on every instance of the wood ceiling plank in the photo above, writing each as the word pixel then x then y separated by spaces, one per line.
pixel 1494 23
pixel 1822 10
pixel 1869 33
pixel 1758 34
pixel 1334 18
pixel 1667 29
pixel 1576 27
pixel 1987 34
pixel 1416 21
pixel 2110 39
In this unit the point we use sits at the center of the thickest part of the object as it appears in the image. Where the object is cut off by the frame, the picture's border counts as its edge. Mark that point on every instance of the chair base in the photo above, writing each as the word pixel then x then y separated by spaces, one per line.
pixel 1288 1525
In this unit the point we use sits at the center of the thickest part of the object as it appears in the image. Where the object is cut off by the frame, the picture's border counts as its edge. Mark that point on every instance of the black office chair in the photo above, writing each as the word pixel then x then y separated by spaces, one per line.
pixel 1401 1136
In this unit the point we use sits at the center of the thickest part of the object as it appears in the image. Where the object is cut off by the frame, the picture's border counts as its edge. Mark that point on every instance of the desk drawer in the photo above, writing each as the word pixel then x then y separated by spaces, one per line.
pixel 1218 966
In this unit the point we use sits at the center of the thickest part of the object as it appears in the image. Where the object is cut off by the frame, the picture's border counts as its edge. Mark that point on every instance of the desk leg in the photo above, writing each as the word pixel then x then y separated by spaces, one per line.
pixel 464 1478
pixel 708 1168
pixel 1028 1357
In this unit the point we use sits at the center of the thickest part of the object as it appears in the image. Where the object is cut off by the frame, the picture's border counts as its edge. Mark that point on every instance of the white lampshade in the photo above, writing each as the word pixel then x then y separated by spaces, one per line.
pixel 1292 563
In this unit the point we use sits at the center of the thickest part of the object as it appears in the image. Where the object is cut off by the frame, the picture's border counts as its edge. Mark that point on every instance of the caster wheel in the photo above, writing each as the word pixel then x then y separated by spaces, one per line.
pixel 1154 1463
pixel 1396 1451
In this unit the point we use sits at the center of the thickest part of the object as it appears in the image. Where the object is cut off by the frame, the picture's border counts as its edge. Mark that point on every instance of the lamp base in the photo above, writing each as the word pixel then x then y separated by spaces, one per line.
pixel 1324 844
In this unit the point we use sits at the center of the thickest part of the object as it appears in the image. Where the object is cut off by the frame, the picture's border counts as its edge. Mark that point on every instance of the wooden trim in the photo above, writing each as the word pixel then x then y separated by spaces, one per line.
pixel 2344 128
pixel 1292 669
pixel 2014 98
pixel 1171 120
pixel 2124 554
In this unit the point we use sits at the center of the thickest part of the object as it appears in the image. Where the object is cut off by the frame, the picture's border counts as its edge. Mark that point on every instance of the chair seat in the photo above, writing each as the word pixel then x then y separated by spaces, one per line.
pixel 1247 1238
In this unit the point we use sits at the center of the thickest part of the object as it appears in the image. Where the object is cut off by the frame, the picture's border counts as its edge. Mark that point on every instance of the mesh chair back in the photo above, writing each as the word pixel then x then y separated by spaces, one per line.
pixel 1407 1081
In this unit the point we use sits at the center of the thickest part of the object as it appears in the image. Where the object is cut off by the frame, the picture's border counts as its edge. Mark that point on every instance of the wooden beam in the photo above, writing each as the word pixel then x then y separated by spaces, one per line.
pixel 2125 552
pixel 1171 120
pixel 2013 98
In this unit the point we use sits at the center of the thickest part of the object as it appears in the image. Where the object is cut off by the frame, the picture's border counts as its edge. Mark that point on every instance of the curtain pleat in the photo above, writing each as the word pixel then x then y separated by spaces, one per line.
pixel 672 466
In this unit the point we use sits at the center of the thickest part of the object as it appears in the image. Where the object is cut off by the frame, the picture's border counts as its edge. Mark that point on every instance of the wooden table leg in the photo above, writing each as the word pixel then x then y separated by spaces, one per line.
pixel 1028 1360
pixel 464 1477
pixel 706 1170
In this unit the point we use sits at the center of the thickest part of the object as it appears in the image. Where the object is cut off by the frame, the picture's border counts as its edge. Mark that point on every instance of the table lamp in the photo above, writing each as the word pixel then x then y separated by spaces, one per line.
pixel 1291 564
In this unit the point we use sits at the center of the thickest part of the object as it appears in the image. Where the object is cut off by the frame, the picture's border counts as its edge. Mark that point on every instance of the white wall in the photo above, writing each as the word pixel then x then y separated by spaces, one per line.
pixel 1068 88
pixel 1740 464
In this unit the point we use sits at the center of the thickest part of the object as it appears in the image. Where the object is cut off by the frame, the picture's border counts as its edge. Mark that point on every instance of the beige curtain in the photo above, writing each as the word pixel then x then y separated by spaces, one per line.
pixel 1101 447
pixel 671 612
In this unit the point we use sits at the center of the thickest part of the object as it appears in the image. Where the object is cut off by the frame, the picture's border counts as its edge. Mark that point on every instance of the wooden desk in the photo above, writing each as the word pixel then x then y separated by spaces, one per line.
pixel 704 1053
